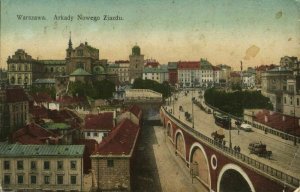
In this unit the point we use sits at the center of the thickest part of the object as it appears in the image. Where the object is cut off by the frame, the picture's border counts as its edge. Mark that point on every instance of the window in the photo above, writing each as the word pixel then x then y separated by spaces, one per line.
pixel 6 179
pixel 60 179
pixel 73 179
pixel 105 134
pixel 297 101
pixel 95 134
pixel 6 165
pixel 20 165
pixel 47 179
pixel 33 179
pixel 73 164
pixel 88 134
pixel 46 165
pixel 33 165
pixel 20 179
pixel 284 100
pixel 60 165
pixel 110 163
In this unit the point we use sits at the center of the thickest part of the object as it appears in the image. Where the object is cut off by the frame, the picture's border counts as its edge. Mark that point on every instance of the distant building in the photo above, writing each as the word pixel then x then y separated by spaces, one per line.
pixel 274 83
pixel 235 78
pixel 121 69
pixel 41 167
pixel 22 69
pixel 188 73
pixel 248 79
pixel 14 108
pixel 113 160
pixel 258 73
pixel 3 77
pixel 136 66
pixel 159 74
pixel 172 70
pixel 289 62
pixel 224 74
pixel 207 73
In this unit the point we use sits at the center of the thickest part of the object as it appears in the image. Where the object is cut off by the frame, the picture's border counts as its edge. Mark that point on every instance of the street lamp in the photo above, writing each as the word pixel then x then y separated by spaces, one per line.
pixel 193 109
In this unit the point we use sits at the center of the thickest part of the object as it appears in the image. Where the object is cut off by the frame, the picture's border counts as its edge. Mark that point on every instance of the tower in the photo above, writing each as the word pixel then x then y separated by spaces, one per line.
pixel 136 66
pixel 70 48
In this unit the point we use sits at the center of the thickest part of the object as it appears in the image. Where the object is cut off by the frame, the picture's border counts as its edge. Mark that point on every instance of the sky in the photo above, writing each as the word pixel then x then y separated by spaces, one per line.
pixel 222 31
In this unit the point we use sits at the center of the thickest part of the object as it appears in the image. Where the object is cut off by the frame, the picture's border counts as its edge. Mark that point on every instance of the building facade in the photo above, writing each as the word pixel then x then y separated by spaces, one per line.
pixel 188 73
pixel 41 167
pixel 14 109
pixel 136 66
pixel 158 74
pixel 173 74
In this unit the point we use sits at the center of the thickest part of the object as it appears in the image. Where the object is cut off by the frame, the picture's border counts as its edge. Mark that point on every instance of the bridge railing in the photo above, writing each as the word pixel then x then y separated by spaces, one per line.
pixel 285 178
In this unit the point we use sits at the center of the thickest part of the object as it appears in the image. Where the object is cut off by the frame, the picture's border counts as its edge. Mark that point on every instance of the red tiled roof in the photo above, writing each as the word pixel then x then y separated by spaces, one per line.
pixel 275 120
pixel 134 109
pixel 188 65
pixel 39 112
pixel 41 97
pixel 34 134
pixel 102 121
pixel 121 140
pixel 16 95
pixel 152 64
pixel 90 144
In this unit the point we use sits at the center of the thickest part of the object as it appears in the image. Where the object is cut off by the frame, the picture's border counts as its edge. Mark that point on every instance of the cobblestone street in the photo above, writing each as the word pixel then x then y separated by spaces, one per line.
pixel 158 168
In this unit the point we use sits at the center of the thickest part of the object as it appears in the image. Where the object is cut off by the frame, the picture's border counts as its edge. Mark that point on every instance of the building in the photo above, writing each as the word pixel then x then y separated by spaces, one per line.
pixel 248 80
pixel 224 74
pixel 23 70
pixel 113 160
pixel 98 126
pixel 120 69
pixel 134 114
pixel 3 77
pixel 235 79
pixel 289 62
pixel 14 108
pixel 206 75
pixel 136 65
pixel 274 83
pixel 258 73
pixel 158 74
pixel 188 73
pixel 173 73
pixel 216 75
pixel 41 167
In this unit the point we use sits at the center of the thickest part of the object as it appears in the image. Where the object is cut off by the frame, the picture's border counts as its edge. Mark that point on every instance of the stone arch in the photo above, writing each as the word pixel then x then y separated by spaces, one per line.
pixel 198 154
pixel 180 144
pixel 170 129
pixel 237 170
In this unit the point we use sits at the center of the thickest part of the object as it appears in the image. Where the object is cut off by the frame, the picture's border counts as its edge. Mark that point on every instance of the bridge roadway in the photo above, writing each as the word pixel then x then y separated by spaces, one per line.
pixel 285 156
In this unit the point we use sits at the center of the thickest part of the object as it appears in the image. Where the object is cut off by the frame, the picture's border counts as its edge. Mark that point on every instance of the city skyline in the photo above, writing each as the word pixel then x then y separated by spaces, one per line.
pixel 225 32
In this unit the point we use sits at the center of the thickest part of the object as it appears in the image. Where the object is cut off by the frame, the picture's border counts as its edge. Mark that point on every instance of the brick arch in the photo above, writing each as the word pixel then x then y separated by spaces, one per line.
pixel 180 144
pixel 197 154
pixel 238 169
pixel 170 129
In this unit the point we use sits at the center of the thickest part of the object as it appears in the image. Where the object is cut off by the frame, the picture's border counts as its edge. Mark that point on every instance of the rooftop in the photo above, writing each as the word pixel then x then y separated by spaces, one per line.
pixel 14 95
pixel 17 150
pixel 188 65
pixel 120 141
pixel 101 121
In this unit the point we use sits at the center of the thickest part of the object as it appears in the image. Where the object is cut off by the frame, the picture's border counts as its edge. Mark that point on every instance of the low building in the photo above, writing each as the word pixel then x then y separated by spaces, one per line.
pixel 158 74
pixel 113 160
pixel 41 167
pixel 134 113
pixel 98 126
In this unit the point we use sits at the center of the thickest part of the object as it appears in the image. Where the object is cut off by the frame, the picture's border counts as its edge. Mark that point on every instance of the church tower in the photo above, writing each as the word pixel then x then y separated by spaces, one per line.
pixel 70 48
pixel 136 66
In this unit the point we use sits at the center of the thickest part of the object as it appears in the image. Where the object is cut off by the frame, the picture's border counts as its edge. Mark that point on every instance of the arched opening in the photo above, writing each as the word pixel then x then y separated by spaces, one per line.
pixel 199 164
pixel 180 145
pixel 233 179
pixel 169 130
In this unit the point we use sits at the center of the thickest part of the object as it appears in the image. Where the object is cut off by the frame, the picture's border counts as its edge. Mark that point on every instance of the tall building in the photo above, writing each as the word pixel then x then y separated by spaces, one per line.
pixel 136 66
pixel 13 110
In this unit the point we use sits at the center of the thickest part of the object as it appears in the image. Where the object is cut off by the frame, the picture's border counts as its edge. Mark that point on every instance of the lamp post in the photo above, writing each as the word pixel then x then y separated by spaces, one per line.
pixel 193 110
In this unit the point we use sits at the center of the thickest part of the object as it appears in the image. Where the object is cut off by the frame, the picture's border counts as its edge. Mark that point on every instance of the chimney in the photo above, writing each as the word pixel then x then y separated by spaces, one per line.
pixel 283 118
pixel 266 119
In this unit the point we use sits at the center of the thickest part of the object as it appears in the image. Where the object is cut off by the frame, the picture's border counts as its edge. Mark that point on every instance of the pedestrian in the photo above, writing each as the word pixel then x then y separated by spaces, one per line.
pixel 238 149
pixel 234 148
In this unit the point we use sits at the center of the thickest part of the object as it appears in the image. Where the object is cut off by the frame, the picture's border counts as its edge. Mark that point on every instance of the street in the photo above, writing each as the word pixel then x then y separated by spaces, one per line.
pixel 157 168
pixel 285 156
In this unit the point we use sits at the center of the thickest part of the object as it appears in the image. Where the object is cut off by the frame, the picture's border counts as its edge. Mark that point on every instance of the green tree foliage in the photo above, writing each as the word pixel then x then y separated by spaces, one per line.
pixel 235 102
pixel 43 89
pixel 163 88
pixel 97 90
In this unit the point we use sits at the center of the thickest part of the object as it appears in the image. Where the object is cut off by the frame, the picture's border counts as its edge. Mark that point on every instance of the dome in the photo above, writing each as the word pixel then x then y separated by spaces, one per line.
pixel 98 70
pixel 136 50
